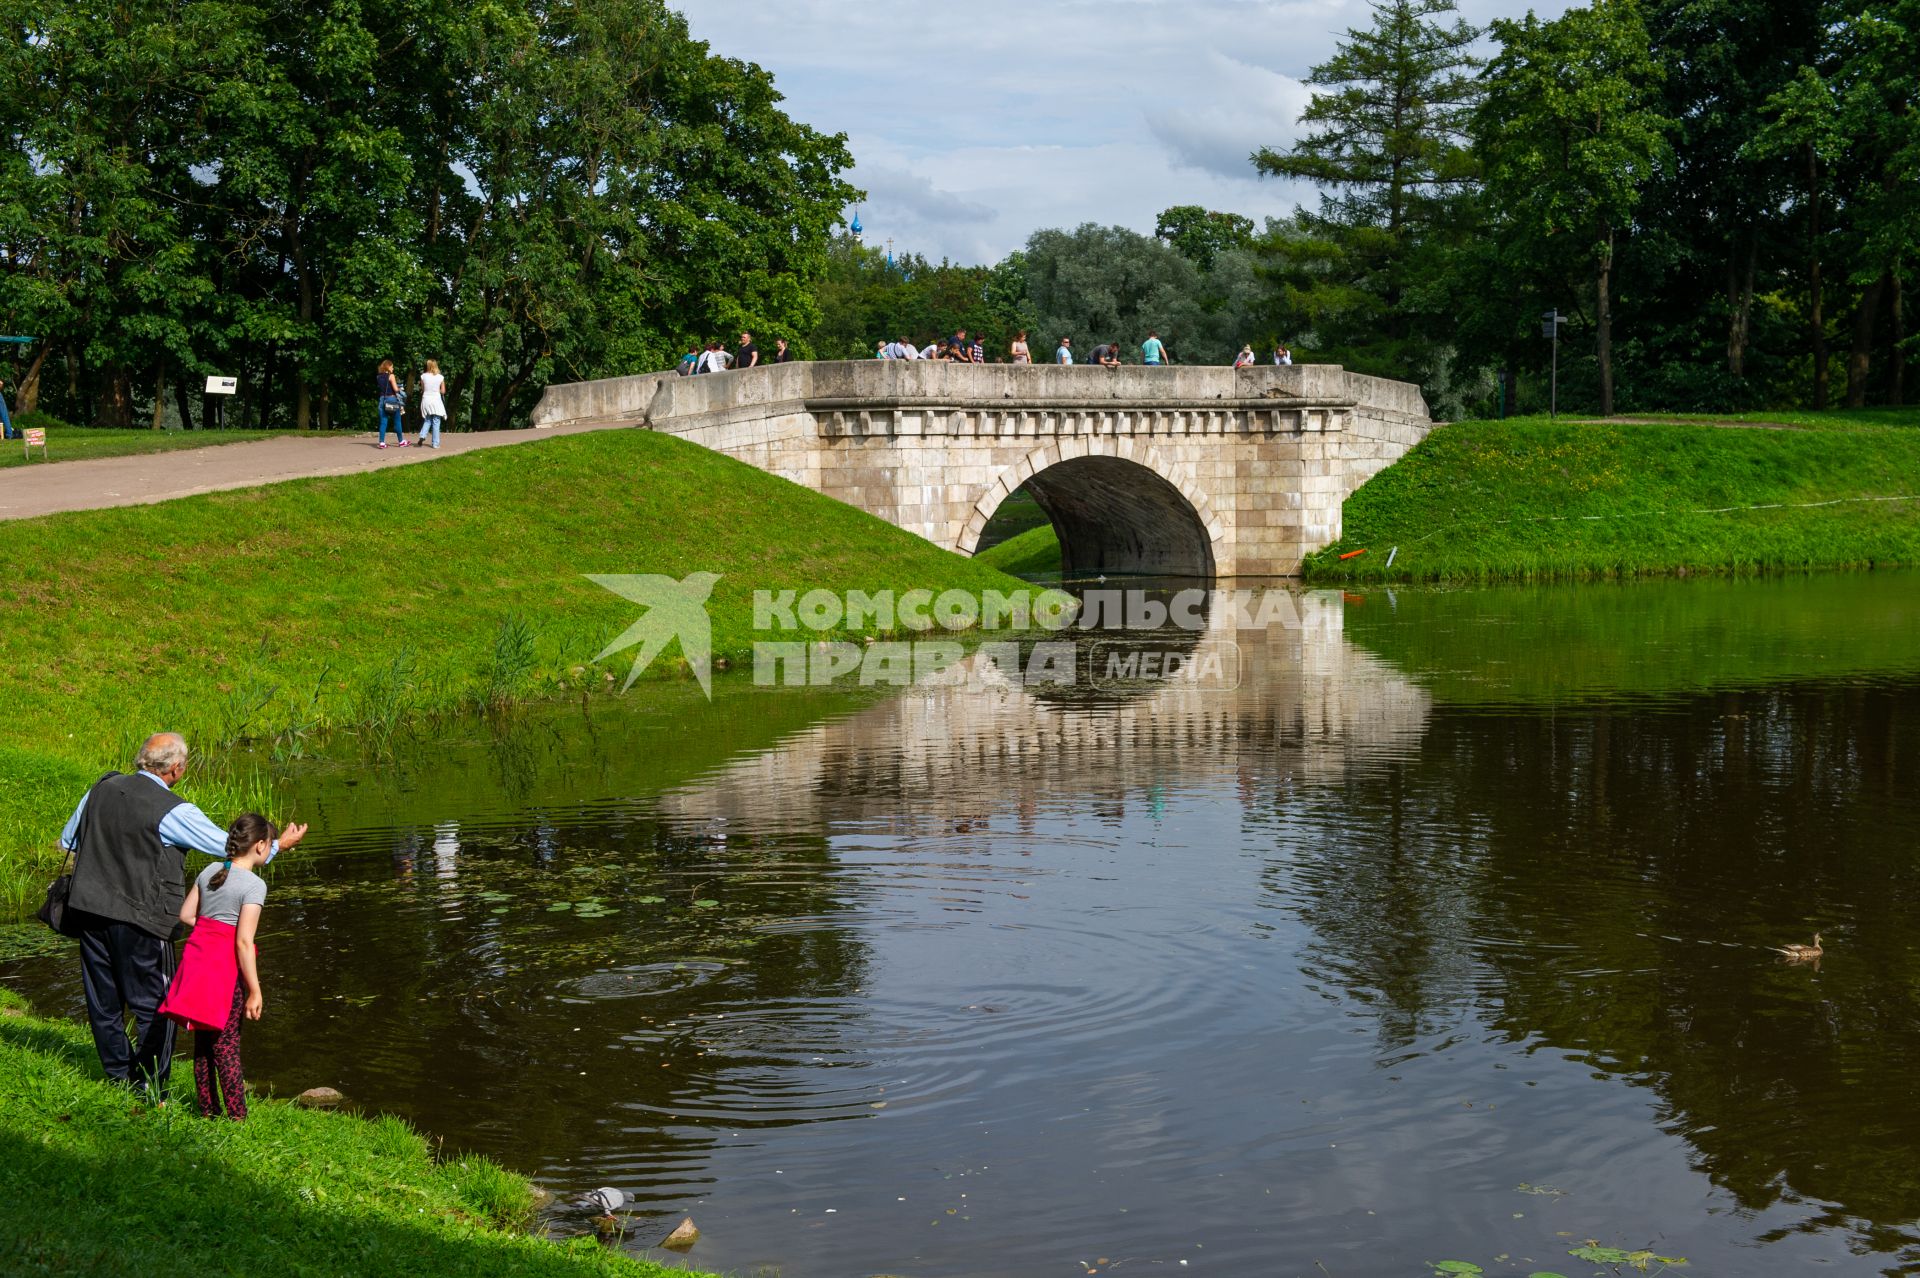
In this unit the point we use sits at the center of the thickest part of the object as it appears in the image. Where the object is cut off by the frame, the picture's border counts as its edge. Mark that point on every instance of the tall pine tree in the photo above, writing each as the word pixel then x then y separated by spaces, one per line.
pixel 1386 143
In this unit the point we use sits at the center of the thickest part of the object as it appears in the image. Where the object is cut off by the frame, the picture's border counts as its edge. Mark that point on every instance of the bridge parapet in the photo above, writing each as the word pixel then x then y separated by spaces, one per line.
pixel 1251 463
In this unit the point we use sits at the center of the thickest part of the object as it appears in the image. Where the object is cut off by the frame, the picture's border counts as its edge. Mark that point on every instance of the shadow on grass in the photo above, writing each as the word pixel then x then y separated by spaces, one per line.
pixel 29 1034
pixel 93 1182
pixel 78 1204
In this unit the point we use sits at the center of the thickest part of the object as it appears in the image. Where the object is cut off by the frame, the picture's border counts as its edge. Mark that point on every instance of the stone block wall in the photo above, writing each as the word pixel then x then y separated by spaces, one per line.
pixel 1182 471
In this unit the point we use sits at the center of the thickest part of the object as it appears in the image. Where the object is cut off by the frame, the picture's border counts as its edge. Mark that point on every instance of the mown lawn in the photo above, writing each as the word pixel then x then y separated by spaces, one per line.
pixel 371 601
pixel 1528 499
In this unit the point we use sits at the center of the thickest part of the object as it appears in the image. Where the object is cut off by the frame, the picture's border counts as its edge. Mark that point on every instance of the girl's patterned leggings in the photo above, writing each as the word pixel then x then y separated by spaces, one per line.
pixel 219 1054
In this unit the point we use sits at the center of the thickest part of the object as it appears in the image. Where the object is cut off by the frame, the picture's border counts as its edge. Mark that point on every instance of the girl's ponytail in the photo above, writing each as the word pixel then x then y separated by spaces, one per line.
pixel 245 831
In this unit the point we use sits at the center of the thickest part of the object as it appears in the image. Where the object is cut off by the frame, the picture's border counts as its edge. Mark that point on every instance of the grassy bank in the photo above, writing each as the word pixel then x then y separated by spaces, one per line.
pixel 1033 553
pixel 1528 499
pixel 72 443
pixel 91 1183
pixel 381 600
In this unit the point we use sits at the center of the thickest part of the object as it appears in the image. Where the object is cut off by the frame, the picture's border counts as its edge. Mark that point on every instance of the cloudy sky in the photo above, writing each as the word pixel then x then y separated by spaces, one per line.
pixel 974 124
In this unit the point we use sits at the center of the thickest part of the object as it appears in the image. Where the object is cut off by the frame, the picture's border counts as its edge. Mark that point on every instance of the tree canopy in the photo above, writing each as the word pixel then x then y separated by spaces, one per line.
pixel 523 189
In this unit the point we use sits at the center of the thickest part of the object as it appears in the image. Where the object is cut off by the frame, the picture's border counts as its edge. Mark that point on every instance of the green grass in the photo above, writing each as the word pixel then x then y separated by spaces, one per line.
pixel 92 1183
pixel 1033 553
pixel 1527 499
pixel 375 601
pixel 72 443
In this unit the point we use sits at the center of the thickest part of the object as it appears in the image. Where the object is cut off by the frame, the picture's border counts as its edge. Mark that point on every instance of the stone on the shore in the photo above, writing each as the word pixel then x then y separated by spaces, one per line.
pixel 319 1098
pixel 684 1235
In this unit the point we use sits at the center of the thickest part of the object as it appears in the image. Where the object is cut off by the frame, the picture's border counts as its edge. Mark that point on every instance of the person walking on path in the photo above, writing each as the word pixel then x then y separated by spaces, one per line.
pixel 1063 354
pixel 386 387
pixel 129 837
pixel 218 980
pixel 433 408
pixel 1153 352
pixel 6 418
pixel 1019 351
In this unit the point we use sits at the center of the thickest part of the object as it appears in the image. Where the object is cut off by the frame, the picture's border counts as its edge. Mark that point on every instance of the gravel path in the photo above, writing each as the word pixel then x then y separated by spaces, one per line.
pixel 96 483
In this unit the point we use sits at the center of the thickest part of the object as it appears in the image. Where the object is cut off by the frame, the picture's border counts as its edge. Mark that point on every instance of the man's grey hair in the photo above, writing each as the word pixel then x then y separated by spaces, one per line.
pixel 162 752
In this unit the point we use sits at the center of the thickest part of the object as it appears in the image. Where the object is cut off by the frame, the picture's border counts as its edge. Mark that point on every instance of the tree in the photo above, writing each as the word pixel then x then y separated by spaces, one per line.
pixel 1569 134
pixel 1111 284
pixel 1387 143
pixel 1201 235
pixel 524 189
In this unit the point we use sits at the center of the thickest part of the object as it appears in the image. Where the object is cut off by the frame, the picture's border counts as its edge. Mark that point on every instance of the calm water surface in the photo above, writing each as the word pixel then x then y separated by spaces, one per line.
pixel 1442 937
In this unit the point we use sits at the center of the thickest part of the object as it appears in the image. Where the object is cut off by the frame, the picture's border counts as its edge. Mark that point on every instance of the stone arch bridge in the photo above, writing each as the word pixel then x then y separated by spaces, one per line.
pixel 1186 471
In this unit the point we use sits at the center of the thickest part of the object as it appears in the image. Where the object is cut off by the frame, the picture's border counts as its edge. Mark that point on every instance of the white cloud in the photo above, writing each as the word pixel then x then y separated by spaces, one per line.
pixel 917 196
pixel 972 128
pixel 1249 107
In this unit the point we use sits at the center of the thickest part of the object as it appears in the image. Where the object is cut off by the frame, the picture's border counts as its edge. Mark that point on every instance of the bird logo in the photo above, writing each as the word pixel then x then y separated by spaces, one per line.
pixel 674 610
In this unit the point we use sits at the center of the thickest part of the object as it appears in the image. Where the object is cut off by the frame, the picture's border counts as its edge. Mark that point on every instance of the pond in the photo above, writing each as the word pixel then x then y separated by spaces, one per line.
pixel 1444 935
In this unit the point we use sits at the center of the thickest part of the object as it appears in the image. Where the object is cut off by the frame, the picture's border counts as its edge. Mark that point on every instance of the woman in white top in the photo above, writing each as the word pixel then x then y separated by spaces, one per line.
pixel 433 408
pixel 1245 358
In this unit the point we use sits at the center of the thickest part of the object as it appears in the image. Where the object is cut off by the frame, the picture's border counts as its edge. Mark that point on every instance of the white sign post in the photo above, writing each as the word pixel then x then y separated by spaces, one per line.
pixel 223 387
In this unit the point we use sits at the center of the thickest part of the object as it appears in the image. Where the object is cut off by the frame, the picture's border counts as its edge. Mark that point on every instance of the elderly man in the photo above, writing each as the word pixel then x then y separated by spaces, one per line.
pixel 129 837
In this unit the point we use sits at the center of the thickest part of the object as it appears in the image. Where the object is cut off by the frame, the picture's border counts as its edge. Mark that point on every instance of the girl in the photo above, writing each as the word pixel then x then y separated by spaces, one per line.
pixel 433 409
pixel 219 976
pixel 387 388
pixel 1019 351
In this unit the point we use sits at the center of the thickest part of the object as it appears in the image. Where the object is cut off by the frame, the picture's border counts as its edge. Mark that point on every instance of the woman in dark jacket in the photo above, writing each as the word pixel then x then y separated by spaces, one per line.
pixel 392 403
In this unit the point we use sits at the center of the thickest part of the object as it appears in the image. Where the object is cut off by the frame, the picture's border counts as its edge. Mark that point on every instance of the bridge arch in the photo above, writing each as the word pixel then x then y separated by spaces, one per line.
pixel 1116 506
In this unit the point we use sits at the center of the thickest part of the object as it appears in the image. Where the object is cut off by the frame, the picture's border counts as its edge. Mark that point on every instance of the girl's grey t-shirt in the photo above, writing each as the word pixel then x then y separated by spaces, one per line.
pixel 243 887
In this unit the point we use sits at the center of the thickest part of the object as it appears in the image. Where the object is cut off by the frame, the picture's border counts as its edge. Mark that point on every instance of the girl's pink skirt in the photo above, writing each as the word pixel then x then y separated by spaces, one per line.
pixel 201 996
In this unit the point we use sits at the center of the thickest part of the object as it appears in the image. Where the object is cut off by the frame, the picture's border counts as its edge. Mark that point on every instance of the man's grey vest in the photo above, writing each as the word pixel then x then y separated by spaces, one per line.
pixel 121 869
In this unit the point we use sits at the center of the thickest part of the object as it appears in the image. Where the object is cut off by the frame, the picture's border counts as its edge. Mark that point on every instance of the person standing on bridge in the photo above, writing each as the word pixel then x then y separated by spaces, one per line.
pixel 978 351
pixel 1153 352
pixel 1063 354
pixel 1245 358
pixel 749 355
pixel 782 352
pixel 960 350
pixel 1019 351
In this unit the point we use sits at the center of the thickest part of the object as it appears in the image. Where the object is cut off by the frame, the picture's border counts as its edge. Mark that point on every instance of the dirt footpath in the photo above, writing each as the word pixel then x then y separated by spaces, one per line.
pixel 98 482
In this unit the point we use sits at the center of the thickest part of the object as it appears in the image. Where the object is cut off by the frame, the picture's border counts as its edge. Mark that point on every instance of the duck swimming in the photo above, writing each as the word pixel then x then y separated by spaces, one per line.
pixel 1801 953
